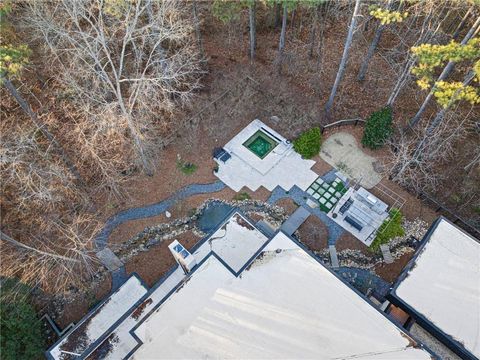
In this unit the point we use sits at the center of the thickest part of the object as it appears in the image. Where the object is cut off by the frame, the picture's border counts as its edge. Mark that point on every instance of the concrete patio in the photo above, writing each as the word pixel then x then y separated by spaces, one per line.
pixel 282 166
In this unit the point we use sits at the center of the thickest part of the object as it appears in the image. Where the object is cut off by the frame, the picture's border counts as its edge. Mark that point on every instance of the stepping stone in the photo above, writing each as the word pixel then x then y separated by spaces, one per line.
pixel 333 256
pixel 312 204
pixel 338 195
pixel 310 191
pixel 323 201
pixel 295 220
pixel 321 191
pixel 108 258
pixel 328 205
pixel 325 185
pixel 315 186
pixel 327 195
pixel 387 255
pixel 316 196
pixel 319 181
pixel 331 190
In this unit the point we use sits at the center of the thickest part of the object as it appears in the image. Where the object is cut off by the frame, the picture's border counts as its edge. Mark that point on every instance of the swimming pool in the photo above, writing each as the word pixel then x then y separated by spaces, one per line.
pixel 260 144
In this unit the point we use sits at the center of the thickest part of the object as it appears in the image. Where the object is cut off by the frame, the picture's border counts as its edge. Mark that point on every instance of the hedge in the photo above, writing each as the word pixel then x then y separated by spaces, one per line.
pixel 308 143
pixel 378 128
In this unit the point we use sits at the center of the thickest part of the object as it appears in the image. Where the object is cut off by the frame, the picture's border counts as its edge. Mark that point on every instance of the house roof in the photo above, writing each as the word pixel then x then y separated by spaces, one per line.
pixel 440 287
pixel 279 302
pixel 285 304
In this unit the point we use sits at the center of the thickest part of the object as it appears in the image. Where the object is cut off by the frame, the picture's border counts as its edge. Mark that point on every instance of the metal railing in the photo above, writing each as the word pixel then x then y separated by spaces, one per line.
pixel 344 122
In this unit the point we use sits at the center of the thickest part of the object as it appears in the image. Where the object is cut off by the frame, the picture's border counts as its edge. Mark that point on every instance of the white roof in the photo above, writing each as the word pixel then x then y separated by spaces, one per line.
pixel 285 305
pixel 95 324
pixel 236 241
pixel 444 284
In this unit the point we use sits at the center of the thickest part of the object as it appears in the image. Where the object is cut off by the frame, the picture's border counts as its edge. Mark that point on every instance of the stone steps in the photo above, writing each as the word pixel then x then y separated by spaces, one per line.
pixel 333 256
pixel 387 255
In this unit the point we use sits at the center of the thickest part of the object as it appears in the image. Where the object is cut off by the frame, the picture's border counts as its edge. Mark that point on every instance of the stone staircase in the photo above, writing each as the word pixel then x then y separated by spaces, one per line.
pixel 387 255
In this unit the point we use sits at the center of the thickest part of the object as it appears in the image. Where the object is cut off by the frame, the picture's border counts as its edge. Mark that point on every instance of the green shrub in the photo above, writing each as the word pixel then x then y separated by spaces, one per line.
pixel 378 128
pixel 308 143
pixel 186 167
pixel 21 331
pixel 390 228
pixel 241 196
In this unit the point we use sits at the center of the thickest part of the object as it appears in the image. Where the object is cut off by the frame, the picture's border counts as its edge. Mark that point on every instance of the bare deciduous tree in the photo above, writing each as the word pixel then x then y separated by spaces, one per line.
pixel 415 157
pixel 129 61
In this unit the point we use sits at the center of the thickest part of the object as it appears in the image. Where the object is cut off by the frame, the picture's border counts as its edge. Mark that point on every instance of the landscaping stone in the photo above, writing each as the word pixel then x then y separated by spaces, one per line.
pixel 154 209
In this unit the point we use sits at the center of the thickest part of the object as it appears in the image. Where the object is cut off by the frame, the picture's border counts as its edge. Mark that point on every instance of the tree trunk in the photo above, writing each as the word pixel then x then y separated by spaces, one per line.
pixel 42 127
pixel 18 244
pixel 281 44
pixel 253 39
pixel 292 19
pixel 462 24
pixel 372 47
pixel 426 34
pixel 313 32
pixel 371 51
pixel 197 29
pixel 277 15
pixel 343 62
pixel 439 117
pixel 139 147
pixel 401 80
pixel 446 71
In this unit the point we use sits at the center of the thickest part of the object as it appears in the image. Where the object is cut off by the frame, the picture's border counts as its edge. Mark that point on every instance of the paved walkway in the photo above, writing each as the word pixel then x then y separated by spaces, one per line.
pixel 119 276
pixel 108 258
pixel 387 255
pixel 153 209
pixel 300 197
pixel 295 220
pixel 333 256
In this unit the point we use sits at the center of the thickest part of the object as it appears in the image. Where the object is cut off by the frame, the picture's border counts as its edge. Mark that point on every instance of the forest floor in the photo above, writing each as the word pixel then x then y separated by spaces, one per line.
pixel 297 97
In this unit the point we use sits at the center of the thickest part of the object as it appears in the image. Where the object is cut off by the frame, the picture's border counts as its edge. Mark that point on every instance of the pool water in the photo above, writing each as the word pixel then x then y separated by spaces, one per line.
pixel 260 144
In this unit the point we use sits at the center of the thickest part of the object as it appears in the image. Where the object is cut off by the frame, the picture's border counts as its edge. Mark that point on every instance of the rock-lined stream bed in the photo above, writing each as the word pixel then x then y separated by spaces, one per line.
pixel 203 221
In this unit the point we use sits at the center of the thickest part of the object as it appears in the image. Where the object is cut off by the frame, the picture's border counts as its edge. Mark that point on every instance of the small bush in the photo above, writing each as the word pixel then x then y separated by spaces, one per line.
pixel 390 229
pixel 378 128
pixel 308 143
pixel 241 196
pixel 186 167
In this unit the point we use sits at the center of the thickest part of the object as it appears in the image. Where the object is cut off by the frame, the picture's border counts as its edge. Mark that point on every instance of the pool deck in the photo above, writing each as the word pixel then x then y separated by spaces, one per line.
pixel 280 167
